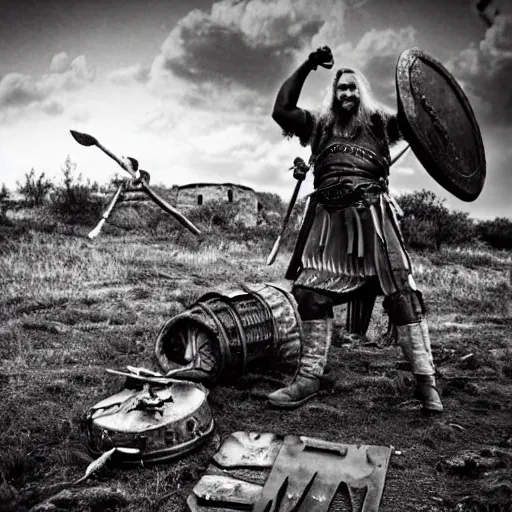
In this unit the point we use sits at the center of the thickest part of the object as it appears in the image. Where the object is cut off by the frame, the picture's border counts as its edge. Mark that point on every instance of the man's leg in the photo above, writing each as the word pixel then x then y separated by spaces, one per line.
pixel 316 313
pixel 407 312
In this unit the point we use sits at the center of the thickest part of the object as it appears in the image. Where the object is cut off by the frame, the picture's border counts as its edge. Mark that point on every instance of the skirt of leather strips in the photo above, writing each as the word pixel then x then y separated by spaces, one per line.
pixel 339 251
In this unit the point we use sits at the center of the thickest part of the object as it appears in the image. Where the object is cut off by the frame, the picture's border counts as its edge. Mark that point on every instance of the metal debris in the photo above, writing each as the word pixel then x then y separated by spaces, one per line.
pixel 249 449
pixel 161 421
pixel 306 474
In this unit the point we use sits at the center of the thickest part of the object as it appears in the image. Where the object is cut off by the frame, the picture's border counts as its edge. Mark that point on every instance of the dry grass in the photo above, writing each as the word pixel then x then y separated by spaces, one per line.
pixel 71 307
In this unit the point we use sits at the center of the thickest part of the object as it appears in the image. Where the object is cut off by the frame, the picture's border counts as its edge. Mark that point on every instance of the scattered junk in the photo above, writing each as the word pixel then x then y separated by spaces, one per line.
pixel 227 334
pixel 151 420
pixel 223 335
pixel 265 471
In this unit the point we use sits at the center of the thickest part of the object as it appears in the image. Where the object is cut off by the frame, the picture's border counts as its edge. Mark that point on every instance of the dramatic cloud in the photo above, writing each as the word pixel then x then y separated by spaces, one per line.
pixel 78 76
pixel 237 55
pixel 129 75
pixel 218 73
pixel 485 72
pixel 19 91
pixel 59 63
pixel 378 51
pixel 52 107
pixel 247 42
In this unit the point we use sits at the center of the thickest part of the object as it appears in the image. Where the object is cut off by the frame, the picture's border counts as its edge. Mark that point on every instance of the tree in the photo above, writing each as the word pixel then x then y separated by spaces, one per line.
pixel 497 232
pixel 428 223
pixel 271 208
pixel 35 189
pixel 4 198
pixel 73 198
pixel 4 193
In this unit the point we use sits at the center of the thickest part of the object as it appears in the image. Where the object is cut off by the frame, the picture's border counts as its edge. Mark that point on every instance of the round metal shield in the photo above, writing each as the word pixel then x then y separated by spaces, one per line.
pixel 437 120
pixel 161 422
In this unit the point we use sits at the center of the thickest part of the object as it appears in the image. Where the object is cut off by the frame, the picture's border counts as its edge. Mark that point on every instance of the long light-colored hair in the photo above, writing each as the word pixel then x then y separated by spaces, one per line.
pixel 330 118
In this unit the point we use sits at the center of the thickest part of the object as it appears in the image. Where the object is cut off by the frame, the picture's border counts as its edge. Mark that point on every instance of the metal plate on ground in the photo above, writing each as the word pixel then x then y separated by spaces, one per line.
pixel 306 475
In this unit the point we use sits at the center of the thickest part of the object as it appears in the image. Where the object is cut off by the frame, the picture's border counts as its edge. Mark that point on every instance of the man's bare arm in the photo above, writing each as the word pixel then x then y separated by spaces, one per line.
pixel 286 113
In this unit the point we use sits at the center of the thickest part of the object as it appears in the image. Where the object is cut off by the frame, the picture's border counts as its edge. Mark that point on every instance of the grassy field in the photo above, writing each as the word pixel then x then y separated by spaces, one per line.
pixel 71 307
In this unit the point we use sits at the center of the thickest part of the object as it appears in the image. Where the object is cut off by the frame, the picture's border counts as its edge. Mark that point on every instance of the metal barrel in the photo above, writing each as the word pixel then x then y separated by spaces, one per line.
pixel 226 334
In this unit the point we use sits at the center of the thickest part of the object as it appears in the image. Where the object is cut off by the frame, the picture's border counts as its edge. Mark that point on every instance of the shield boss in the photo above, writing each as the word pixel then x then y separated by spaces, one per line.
pixel 437 120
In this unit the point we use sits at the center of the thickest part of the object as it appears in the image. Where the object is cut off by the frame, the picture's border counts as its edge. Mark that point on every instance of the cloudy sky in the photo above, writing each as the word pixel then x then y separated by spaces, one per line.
pixel 187 86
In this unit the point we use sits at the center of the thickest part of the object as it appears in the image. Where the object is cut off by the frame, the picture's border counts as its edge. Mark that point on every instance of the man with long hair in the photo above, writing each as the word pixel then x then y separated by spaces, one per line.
pixel 350 237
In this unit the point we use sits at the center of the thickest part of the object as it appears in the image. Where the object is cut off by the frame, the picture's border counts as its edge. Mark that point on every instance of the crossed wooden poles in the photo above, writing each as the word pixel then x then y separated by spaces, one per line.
pixel 131 166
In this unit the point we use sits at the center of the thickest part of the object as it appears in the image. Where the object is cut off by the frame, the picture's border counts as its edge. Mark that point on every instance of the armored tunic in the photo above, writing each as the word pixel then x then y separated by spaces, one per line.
pixel 350 232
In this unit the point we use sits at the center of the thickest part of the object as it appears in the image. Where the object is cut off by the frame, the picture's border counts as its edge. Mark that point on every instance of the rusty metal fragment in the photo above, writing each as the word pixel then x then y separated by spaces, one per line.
pixel 249 449
pixel 307 475
pixel 224 491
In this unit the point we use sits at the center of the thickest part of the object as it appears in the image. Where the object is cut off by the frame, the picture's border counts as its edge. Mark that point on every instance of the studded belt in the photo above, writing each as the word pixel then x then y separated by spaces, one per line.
pixel 353 150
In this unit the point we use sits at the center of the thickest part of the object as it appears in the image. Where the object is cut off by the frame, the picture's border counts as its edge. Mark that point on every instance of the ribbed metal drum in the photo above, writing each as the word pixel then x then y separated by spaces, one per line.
pixel 225 334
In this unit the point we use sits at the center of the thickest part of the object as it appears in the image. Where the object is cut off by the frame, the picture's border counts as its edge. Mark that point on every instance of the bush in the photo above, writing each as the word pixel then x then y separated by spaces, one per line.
pixel 4 198
pixel 214 215
pixel 497 232
pixel 428 223
pixel 35 189
pixel 73 200
pixel 271 208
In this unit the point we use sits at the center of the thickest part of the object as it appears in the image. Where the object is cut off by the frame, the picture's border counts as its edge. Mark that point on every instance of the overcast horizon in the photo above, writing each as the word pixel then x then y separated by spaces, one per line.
pixel 187 87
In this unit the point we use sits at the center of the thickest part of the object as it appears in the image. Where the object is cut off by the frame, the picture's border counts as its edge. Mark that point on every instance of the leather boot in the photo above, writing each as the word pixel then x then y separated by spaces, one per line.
pixel 314 350
pixel 415 342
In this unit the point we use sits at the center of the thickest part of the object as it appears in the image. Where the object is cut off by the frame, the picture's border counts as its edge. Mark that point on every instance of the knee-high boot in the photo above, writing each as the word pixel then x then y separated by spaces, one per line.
pixel 314 351
pixel 415 342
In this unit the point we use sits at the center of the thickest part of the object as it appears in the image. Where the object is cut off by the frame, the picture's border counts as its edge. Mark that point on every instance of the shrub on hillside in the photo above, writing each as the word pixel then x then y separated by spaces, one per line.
pixel 215 215
pixel 73 199
pixel 35 190
pixel 4 198
pixel 428 223
pixel 496 232
pixel 271 208
pixel 4 193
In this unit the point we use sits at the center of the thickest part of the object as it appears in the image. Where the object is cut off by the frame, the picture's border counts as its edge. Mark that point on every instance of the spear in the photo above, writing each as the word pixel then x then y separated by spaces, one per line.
pixel 131 166
pixel 96 231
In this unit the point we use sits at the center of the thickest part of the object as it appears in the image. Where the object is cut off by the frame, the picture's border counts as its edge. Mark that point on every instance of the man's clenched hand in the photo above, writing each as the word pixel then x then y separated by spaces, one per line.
pixel 321 57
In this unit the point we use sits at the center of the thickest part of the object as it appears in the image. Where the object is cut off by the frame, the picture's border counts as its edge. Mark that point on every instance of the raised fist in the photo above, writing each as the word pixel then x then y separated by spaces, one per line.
pixel 321 57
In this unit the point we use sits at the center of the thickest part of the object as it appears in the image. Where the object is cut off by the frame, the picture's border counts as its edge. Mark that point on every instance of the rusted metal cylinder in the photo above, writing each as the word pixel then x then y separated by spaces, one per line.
pixel 226 334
